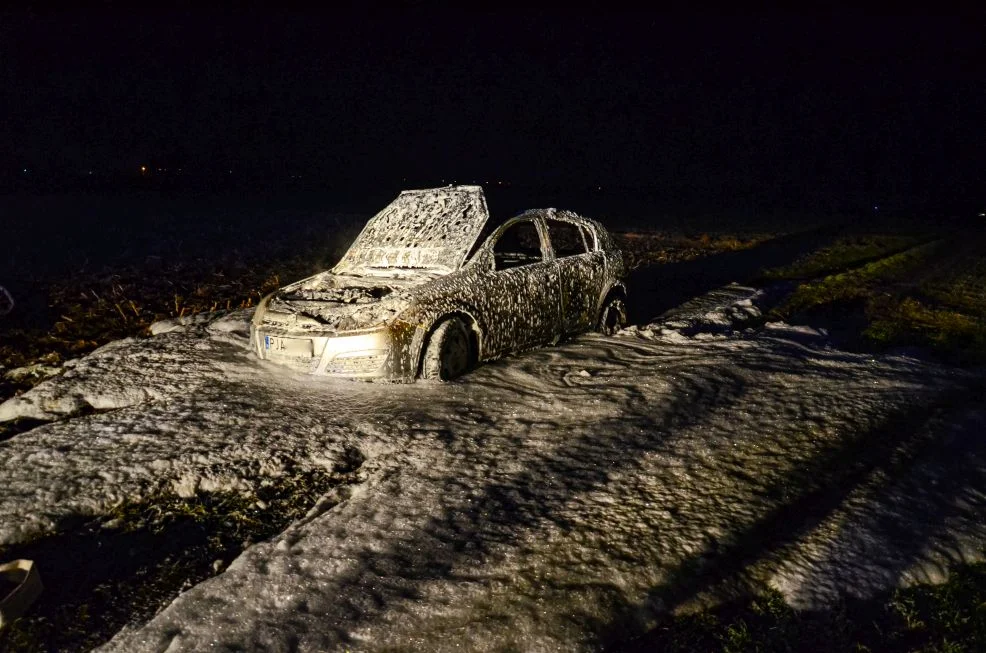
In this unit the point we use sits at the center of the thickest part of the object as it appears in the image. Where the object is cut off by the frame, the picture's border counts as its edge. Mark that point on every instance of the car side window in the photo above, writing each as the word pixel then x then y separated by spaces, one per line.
pixel 590 238
pixel 566 238
pixel 519 245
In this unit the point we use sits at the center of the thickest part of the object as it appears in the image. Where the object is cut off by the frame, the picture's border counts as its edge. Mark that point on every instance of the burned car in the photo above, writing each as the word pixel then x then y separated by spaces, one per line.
pixel 414 297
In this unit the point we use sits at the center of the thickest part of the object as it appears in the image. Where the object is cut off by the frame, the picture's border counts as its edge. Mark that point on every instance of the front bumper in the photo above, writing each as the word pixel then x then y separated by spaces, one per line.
pixel 379 353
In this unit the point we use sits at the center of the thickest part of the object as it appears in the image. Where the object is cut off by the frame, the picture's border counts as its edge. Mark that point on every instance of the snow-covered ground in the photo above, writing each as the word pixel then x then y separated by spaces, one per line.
pixel 556 500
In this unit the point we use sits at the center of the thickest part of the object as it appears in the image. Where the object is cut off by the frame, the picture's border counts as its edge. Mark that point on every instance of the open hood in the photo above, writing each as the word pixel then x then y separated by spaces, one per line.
pixel 431 229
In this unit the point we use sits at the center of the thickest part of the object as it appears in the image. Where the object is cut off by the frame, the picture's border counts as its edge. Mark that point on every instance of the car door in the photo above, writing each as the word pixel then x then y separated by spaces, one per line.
pixel 520 303
pixel 581 272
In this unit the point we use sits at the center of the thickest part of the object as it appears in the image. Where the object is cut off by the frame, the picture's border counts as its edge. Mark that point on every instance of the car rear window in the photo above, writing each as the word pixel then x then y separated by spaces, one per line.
pixel 566 238
pixel 590 238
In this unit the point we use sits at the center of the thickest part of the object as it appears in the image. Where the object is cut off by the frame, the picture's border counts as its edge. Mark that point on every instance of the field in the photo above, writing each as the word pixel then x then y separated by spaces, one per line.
pixel 917 291
pixel 879 291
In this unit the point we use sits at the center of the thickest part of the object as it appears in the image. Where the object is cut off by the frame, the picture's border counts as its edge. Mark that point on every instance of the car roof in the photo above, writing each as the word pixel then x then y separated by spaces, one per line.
pixel 562 215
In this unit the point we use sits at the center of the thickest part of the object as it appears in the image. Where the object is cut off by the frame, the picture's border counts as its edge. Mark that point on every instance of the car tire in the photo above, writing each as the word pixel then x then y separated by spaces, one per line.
pixel 613 317
pixel 449 352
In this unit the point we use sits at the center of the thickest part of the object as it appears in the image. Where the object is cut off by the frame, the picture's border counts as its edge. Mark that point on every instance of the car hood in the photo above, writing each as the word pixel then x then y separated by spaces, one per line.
pixel 432 229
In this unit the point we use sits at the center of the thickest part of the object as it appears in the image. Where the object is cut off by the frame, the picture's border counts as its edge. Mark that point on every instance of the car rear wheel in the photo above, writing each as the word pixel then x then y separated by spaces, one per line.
pixel 613 317
pixel 449 352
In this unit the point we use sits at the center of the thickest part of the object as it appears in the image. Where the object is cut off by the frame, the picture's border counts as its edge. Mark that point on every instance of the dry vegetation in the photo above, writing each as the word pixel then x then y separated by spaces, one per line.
pixel 883 291
pixel 947 618
pixel 91 308
pixel 641 249
pixel 122 568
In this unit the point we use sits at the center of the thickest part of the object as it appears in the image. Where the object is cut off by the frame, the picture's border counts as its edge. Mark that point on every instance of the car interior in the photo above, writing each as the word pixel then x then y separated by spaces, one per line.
pixel 567 239
pixel 519 245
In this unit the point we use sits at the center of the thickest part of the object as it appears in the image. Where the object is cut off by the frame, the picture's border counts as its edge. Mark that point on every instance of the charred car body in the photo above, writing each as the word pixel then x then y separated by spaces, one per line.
pixel 408 300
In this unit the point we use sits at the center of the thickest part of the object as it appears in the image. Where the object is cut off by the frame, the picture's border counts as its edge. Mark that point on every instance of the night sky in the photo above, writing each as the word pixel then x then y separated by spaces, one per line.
pixel 821 110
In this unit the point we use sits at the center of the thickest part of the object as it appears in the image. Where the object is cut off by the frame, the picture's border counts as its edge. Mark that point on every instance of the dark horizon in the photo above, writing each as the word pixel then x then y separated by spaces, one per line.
pixel 833 111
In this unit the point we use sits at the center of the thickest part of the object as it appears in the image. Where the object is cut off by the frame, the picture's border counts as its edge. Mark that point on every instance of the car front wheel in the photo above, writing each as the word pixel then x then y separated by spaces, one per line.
pixel 613 317
pixel 449 352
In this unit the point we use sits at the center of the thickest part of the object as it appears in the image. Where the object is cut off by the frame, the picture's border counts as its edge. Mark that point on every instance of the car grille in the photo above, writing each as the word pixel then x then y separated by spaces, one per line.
pixel 356 364
pixel 298 363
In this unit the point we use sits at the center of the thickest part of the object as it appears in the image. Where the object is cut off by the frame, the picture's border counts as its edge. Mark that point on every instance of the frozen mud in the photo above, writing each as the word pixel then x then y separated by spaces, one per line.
pixel 556 500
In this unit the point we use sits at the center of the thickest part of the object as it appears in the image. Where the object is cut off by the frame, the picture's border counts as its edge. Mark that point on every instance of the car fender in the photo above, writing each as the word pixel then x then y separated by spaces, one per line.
pixel 418 325
pixel 616 288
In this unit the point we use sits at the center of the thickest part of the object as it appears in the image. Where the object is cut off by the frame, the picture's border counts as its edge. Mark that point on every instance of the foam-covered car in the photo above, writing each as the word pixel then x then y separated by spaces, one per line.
pixel 414 297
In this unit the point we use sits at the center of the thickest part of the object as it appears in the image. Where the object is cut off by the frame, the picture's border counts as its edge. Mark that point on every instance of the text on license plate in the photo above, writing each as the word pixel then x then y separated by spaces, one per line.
pixel 288 346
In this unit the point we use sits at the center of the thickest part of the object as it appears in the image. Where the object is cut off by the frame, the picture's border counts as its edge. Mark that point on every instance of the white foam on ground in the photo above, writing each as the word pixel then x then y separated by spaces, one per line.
pixel 531 505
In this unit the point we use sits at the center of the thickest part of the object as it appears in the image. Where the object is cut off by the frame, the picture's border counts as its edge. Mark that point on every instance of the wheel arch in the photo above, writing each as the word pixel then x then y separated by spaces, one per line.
pixel 618 289
pixel 472 328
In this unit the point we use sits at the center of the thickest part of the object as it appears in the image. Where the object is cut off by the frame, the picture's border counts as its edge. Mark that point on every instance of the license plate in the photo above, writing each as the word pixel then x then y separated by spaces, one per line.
pixel 288 346
pixel 274 343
